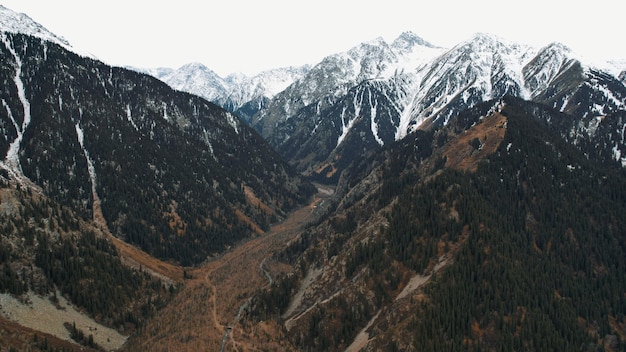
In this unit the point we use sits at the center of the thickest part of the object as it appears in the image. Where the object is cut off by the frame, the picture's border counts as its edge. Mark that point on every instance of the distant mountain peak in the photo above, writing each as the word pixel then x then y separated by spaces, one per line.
pixel 376 41
pixel 559 46
pixel 408 40
pixel 195 66
pixel 375 47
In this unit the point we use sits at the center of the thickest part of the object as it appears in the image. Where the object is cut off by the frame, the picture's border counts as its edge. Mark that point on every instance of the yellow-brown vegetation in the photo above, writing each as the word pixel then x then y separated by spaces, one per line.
pixel 462 155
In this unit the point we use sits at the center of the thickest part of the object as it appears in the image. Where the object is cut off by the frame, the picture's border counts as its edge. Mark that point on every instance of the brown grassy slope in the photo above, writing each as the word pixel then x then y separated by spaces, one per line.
pixel 461 155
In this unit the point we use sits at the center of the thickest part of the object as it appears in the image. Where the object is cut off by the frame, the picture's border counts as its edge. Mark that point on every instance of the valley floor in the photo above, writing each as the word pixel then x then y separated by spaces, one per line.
pixel 205 314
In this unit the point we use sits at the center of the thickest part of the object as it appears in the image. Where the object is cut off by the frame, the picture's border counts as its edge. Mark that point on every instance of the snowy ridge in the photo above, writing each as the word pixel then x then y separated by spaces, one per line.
pixel 479 69
pixel 378 92
pixel 13 22
pixel 488 67
pixel 244 88
pixel 193 78
pixel 331 79
pixel 546 66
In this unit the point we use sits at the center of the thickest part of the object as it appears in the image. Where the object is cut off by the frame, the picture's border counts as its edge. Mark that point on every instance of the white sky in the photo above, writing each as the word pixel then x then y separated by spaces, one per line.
pixel 253 35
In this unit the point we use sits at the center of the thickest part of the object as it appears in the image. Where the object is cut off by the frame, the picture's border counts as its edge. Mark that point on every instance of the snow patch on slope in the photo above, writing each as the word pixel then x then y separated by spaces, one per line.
pixel 12 160
pixel 345 127
pixel 90 168
pixel 232 121
pixel 373 124
pixel 129 116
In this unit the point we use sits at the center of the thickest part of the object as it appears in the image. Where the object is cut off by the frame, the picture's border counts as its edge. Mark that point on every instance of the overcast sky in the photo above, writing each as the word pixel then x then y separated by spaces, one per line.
pixel 249 36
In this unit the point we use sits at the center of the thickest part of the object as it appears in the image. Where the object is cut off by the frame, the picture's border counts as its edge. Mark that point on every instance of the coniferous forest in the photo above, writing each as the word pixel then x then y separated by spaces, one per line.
pixel 543 266
pixel 539 253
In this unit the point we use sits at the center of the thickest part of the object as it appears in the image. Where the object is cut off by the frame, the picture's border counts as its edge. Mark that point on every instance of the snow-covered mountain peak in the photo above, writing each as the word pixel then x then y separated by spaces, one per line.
pixel 268 83
pixel 615 67
pixel 414 52
pixel 195 66
pixel 371 48
pixel 483 37
pixel 407 41
pixel 193 78
pixel 557 52
pixel 481 68
pixel 196 71
pixel 490 44
pixel 13 22
pixel 565 54
pixel 231 92
pixel 368 44
pixel 556 46
pixel 376 59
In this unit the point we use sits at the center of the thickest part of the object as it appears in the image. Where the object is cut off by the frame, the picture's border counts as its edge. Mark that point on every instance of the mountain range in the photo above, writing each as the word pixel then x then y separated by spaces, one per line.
pixel 386 91
pixel 468 198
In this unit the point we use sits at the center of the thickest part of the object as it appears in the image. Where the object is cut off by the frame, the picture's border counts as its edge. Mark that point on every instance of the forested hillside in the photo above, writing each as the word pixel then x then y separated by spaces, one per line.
pixel 516 235
pixel 49 250
pixel 167 171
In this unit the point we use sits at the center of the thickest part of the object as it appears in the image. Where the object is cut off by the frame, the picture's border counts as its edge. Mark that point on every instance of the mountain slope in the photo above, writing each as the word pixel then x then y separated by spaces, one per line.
pixel 168 171
pixel 323 141
pixel 489 233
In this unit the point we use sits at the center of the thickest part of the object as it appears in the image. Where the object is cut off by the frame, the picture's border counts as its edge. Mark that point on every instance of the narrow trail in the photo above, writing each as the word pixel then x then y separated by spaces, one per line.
pixel 216 321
